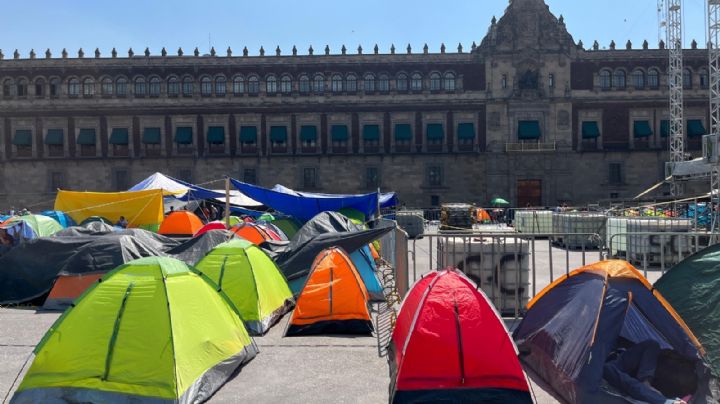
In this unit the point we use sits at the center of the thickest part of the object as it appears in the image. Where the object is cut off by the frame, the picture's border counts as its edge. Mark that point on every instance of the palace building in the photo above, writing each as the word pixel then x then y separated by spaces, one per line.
pixel 527 114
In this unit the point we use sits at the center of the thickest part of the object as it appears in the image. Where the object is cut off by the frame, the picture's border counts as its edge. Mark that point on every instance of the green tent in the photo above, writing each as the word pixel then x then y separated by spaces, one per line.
pixel 692 288
pixel 266 217
pixel 152 330
pixel 354 215
pixel 43 226
pixel 288 225
pixel 251 280
pixel 234 220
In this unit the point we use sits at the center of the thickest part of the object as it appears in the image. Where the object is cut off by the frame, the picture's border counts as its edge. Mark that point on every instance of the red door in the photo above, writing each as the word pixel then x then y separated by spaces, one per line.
pixel 529 193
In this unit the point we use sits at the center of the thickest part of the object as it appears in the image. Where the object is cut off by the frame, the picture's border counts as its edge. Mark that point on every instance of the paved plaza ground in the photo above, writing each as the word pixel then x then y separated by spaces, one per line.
pixel 299 369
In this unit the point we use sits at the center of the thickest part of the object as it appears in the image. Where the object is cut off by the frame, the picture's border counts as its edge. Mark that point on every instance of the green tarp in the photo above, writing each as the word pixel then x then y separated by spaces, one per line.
pixel 308 133
pixel 55 137
pixel 529 130
pixel 119 136
pixel 695 128
pixel 403 131
pixel 642 129
pixel 339 133
pixel 371 132
pixel 22 138
pixel 184 135
pixel 151 136
pixel 86 137
pixel 590 130
pixel 466 131
pixel 278 133
pixel 248 134
pixel 435 131
pixel 216 135
pixel 692 288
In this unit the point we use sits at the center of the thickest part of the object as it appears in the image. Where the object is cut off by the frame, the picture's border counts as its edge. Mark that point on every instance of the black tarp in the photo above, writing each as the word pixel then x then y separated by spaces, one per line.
pixel 325 222
pixel 193 250
pixel 29 270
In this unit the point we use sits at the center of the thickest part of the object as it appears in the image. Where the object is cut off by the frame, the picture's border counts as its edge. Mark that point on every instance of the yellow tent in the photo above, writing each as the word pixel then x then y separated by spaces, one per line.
pixel 139 208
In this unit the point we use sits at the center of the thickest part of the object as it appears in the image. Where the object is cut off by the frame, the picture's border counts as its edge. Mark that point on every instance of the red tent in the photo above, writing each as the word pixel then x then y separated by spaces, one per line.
pixel 450 344
pixel 216 225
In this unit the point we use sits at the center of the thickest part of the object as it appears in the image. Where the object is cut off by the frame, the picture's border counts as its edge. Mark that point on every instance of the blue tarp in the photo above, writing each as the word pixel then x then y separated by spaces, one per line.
pixel 387 200
pixel 304 206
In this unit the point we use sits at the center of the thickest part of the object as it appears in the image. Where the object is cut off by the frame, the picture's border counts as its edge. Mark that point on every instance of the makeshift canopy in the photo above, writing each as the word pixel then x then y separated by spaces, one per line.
pixel 305 206
pixel 251 280
pixel 152 330
pixel 138 208
pixel 450 344
pixel 574 324
pixel 387 200
pixel 186 191
pixel 334 299
pixel 692 287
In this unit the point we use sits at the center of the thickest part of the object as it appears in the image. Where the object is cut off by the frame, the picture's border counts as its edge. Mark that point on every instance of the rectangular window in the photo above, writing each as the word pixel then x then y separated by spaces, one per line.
pixel 310 180
pixel 615 174
pixel 434 200
pixel 551 80
pixel 250 176
pixel 434 176
pixel 121 180
pixel 173 88
pixel 372 178
pixel 57 181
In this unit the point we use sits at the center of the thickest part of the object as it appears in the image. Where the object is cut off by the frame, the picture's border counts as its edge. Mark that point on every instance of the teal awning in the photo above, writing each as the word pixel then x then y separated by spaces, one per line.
pixel 308 133
pixel 529 130
pixel 339 133
pixel 55 137
pixel 151 136
pixel 403 131
pixel 371 132
pixel 248 134
pixel 86 137
pixel 184 135
pixel 278 133
pixel 642 129
pixel 435 131
pixel 216 134
pixel 695 128
pixel 590 130
pixel 664 128
pixel 466 131
pixel 119 136
pixel 23 137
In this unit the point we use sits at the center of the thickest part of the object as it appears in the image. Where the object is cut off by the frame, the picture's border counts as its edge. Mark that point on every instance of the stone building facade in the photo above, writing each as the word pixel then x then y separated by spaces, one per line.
pixel 528 114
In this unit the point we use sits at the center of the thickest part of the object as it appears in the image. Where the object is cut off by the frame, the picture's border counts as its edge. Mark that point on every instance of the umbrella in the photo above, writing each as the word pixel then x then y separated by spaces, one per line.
pixel 499 202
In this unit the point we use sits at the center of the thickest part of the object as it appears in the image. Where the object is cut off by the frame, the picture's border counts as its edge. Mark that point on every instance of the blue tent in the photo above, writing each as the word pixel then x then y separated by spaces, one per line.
pixel 61 217
pixel 305 206
pixel 367 269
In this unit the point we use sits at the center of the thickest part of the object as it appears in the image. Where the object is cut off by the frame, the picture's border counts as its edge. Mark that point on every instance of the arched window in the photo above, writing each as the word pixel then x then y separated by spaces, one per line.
pixel 39 87
pixel 106 86
pixel 435 82
pixel 286 84
pixel 22 88
pixel 401 82
pixel 220 86
pixel 88 87
pixel 74 87
pixel 336 83
pixel 638 79
pixel 206 86
pixel 121 87
pixel 619 79
pixel 687 79
pixel 7 88
pixel 238 85
pixel 653 78
pixel 416 83
pixel 351 83
pixel 383 83
pixel 271 84
pixel 187 87
pixel 54 87
pixel 154 86
pixel 304 84
pixel 318 84
pixel 173 86
pixel 254 85
pixel 605 80
pixel 369 83
pixel 140 88
pixel 449 84
pixel 703 76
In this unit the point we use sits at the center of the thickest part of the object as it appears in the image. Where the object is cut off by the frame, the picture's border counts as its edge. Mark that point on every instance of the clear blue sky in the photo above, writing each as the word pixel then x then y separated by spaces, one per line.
pixel 72 24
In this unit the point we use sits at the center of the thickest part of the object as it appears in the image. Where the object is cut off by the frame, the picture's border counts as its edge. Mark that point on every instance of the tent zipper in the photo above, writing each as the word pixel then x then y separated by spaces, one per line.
pixel 460 341
pixel 116 329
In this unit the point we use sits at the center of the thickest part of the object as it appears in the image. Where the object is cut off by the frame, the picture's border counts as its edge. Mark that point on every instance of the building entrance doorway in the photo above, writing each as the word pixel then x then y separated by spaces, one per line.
pixel 529 193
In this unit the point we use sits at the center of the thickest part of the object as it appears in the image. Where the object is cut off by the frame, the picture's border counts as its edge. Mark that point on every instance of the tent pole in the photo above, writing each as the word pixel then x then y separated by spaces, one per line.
pixel 227 202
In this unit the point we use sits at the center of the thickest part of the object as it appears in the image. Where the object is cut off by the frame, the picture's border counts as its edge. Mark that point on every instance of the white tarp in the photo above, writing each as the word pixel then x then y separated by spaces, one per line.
pixel 238 198
pixel 178 190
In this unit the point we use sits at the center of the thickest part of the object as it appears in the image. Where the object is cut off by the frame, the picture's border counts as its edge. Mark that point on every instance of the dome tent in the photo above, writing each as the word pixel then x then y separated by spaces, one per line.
pixel 152 330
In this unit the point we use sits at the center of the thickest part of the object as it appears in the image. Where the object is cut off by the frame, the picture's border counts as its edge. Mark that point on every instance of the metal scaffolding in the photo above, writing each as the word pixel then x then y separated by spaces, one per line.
pixel 675 83
pixel 711 142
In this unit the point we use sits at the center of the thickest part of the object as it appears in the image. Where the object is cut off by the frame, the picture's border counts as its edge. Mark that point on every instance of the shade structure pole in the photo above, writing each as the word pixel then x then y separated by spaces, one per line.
pixel 227 202
pixel 377 213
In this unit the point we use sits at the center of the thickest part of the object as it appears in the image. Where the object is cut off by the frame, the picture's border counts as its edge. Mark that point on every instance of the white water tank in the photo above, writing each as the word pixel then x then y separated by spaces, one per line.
pixel 534 221
pixel 654 247
pixel 412 221
pixel 616 241
pixel 577 228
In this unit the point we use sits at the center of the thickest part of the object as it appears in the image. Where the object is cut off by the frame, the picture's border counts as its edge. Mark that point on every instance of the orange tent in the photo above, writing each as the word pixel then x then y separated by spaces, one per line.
pixel 254 233
pixel 334 299
pixel 483 216
pixel 374 251
pixel 180 223
pixel 67 288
